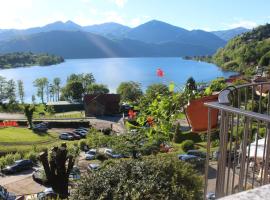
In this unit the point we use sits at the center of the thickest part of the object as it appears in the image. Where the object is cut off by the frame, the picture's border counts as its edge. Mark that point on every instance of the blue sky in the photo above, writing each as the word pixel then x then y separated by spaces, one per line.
pixel 189 14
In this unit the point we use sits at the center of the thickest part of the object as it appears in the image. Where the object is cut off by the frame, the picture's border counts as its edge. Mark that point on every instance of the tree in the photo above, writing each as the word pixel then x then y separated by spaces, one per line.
pixel 97 89
pixel 84 79
pixel 11 91
pixel 20 90
pixel 73 91
pixel 130 91
pixel 33 99
pixel 56 83
pixel 153 177
pixel 3 88
pixel 55 169
pixel 41 84
pixel 28 112
pixel 156 89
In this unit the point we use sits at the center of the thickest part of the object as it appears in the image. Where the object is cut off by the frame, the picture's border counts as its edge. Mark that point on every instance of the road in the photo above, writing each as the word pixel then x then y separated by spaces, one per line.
pixel 21 184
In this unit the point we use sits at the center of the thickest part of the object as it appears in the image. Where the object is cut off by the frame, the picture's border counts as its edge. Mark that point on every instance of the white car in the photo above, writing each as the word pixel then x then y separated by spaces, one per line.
pixel 108 151
pixel 93 166
pixel 65 136
pixel 91 154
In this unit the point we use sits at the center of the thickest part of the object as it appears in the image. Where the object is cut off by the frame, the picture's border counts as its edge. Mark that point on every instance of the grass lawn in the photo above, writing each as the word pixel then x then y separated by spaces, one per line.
pixel 199 144
pixel 22 139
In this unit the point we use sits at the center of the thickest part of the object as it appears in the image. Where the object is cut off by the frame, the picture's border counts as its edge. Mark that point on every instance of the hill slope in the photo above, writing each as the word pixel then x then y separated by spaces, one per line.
pixel 246 51
pixel 77 44
pixel 160 32
pixel 231 33
pixel 111 29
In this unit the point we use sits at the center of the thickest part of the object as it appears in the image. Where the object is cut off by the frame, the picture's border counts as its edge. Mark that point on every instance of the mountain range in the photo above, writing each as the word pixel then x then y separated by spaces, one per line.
pixel 154 38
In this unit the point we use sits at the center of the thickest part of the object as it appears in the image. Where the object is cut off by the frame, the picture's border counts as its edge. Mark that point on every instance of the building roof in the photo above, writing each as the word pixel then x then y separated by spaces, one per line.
pixel 104 99
pixel 54 103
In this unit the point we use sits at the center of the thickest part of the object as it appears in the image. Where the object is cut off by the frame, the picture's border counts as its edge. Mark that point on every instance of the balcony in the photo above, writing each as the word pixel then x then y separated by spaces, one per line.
pixel 244 140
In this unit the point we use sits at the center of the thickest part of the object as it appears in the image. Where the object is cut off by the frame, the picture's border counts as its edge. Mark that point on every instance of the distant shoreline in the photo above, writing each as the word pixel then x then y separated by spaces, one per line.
pixel 21 59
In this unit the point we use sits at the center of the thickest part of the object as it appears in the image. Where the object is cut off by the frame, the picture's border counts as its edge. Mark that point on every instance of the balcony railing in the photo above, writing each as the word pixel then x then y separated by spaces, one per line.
pixel 243 154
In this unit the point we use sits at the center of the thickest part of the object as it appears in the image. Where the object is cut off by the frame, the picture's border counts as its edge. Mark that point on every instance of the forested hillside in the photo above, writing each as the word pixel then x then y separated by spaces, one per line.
pixel 12 60
pixel 245 52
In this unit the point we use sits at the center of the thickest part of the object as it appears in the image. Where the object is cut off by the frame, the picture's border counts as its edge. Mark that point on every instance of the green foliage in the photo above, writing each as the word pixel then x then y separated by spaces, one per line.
pixel 77 85
pixel 97 89
pixel 265 60
pixel 187 145
pixel 149 178
pixel 50 109
pixel 28 112
pixel 41 84
pixel 245 52
pixel 178 134
pixel 32 155
pixel 130 91
pixel 164 110
pixel 216 86
pixel 73 90
pixel 7 91
pixel 9 159
pixel 154 90
pixel 21 59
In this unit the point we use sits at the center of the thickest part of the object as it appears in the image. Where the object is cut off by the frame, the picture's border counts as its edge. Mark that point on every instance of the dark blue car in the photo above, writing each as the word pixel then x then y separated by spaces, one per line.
pixel 196 161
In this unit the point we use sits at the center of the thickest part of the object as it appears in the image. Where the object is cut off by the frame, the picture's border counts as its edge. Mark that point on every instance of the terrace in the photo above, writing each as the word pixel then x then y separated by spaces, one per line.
pixel 244 147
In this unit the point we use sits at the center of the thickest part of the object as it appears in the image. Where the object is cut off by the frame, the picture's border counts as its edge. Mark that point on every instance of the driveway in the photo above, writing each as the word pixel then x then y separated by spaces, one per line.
pixel 21 184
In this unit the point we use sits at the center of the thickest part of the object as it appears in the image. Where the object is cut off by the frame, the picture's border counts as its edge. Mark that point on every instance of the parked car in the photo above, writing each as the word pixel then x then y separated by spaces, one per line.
pixel 93 166
pixel 91 154
pixel 80 132
pixel 48 193
pixel 65 136
pixel 74 135
pixel 210 196
pixel 18 166
pixel 83 128
pixel 4 194
pixel 197 153
pixel 106 151
pixel 196 161
pixel 75 173
pixel 111 154
pixel 115 155
pixel 41 127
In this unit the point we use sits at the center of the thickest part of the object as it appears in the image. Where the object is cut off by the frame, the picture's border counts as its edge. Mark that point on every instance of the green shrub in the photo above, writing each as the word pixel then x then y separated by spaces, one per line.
pixel 9 159
pixel 187 145
pixel 82 145
pixel 101 157
pixel 32 156
pixel 154 177
pixel 215 143
pixel 178 134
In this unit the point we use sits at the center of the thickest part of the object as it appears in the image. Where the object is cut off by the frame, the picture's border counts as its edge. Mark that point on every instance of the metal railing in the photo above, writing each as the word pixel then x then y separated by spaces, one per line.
pixel 244 139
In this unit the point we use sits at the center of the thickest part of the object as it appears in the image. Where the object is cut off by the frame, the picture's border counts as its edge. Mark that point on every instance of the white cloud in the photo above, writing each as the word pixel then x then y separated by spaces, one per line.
pixel 243 23
pixel 113 16
pixel 138 21
pixel 119 3
pixel 11 14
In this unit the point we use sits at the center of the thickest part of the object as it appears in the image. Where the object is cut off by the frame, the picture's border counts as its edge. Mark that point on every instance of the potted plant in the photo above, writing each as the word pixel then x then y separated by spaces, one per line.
pixel 196 111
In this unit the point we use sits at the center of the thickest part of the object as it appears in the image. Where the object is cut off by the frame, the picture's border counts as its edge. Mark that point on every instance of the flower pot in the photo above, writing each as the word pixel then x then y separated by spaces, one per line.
pixel 197 114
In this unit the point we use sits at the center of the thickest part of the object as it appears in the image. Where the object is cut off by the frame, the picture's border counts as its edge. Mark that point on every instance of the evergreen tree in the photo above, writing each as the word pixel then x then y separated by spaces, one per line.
pixel 21 91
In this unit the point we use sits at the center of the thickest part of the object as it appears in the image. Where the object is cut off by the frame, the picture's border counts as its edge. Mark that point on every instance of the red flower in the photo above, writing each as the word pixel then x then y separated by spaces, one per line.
pixel 131 114
pixel 150 120
pixel 160 73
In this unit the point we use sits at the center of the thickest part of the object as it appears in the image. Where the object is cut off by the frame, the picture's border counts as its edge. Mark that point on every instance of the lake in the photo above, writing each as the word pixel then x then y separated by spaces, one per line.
pixel 113 71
